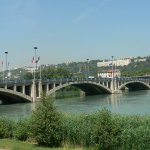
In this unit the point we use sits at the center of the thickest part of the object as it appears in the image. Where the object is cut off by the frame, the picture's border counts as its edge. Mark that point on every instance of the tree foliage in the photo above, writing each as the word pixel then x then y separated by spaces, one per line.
pixel 46 123
pixel 6 127
pixel 79 69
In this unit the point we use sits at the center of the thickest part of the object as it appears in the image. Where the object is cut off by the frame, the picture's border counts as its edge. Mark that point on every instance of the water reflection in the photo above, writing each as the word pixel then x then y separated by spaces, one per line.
pixel 114 100
pixel 126 103
pixel 17 111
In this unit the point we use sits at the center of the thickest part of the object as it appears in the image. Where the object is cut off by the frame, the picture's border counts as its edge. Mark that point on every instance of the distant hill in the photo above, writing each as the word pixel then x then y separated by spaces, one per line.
pixel 87 68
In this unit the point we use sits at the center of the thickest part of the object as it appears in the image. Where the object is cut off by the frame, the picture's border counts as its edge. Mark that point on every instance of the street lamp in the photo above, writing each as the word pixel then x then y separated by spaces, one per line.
pixel 112 67
pixel 35 61
pixel 40 71
pixel 6 63
pixel 87 67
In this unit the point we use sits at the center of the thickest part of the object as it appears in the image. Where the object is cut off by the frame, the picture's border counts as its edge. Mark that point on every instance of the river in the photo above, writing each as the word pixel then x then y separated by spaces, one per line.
pixel 127 103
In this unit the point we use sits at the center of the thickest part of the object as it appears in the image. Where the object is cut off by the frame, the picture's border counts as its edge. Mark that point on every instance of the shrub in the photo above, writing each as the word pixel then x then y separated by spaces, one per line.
pixel 135 132
pixel 46 123
pixel 77 129
pixel 6 127
pixel 105 131
pixel 22 130
pixel 99 130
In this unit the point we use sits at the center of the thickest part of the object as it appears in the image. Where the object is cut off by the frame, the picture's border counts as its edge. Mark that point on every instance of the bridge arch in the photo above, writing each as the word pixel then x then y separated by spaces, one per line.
pixel 87 87
pixel 10 96
pixel 135 85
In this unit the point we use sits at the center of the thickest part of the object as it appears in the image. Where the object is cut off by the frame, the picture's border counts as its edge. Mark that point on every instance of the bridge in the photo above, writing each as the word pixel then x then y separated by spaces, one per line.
pixel 13 91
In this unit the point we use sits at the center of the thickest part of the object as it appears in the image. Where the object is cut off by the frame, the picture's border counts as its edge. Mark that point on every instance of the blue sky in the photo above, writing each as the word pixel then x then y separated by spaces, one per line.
pixel 73 30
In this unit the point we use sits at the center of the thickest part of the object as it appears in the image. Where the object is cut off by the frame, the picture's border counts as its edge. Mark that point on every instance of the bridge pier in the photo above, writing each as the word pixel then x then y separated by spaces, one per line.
pixel 40 88
pixel 33 91
pixel 117 92
pixel 23 89
pixel 15 87
pixel 5 86
pixel 112 86
pixel 47 87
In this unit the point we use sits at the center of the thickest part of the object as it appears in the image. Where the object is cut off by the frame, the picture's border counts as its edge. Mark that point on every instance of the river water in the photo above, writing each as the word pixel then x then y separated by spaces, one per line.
pixel 126 103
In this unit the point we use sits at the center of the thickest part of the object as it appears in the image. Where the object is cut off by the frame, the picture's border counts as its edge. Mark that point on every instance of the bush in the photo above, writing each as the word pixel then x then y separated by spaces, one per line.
pixel 99 130
pixel 46 123
pixel 6 127
pixel 22 130
pixel 77 129
pixel 135 132
pixel 105 131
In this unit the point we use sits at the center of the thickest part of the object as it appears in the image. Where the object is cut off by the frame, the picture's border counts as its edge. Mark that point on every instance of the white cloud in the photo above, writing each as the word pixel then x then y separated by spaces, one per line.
pixel 89 11
pixel 18 12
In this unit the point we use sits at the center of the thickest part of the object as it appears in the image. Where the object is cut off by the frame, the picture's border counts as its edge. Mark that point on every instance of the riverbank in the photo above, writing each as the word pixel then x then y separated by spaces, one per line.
pixel 9 144
pixel 100 130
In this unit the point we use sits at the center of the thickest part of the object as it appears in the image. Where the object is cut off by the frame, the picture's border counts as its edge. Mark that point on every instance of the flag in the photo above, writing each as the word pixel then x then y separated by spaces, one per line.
pixel 110 65
pixel 37 60
pixel 32 60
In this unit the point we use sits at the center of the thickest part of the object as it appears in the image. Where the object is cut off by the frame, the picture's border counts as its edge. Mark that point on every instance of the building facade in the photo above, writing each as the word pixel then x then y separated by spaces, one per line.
pixel 117 62
pixel 109 73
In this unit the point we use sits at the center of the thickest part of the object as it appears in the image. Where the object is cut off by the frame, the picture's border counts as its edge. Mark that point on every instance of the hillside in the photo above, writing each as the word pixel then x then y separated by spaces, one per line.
pixel 81 69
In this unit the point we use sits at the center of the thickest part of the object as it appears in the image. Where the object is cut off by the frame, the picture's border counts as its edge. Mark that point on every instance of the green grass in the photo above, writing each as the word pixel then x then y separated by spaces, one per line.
pixel 18 145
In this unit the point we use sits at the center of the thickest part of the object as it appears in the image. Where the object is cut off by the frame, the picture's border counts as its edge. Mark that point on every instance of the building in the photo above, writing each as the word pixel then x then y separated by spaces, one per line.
pixel 109 73
pixel 29 69
pixel 117 62
pixel 140 60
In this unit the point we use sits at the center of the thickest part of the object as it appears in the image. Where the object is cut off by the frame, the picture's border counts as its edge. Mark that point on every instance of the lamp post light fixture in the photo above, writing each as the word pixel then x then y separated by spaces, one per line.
pixel 6 64
pixel 6 60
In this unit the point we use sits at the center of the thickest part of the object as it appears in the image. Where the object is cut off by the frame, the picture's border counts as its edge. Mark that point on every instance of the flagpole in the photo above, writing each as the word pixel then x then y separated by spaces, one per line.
pixel 3 70
pixel 112 74
pixel 35 64
pixel 6 67
pixel 9 70
pixel 40 69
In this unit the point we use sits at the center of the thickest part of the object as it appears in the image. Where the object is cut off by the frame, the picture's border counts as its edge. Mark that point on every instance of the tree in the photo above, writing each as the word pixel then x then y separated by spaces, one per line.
pixel 28 76
pixel 46 123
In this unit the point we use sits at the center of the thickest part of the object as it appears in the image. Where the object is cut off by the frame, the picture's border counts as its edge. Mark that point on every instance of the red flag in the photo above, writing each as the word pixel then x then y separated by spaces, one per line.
pixel 32 60
pixel 37 60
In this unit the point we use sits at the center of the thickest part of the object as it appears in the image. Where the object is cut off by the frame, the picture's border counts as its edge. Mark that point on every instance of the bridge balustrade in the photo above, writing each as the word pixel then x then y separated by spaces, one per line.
pixel 30 87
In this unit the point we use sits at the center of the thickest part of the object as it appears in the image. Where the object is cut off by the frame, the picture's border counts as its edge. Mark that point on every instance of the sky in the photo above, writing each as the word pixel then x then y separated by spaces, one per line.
pixel 73 30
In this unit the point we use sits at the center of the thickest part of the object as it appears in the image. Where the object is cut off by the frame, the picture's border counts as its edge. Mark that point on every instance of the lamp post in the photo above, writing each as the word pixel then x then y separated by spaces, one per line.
pixel 35 62
pixel 40 71
pixel 34 84
pixel 3 70
pixel 6 64
pixel 87 68
pixel 112 74
pixel 112 67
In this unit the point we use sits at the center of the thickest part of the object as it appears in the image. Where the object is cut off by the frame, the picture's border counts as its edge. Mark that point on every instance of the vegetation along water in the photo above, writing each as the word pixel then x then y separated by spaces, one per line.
pixel 101 130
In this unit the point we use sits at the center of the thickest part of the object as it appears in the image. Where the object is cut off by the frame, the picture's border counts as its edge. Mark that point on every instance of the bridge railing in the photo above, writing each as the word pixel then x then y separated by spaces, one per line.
pixel 132 79
pixel 58 80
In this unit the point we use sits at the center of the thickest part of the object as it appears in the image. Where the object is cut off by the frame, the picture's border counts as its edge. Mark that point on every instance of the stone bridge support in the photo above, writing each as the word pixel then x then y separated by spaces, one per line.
pixel 40 88
pixel 34 88
pixel 33 91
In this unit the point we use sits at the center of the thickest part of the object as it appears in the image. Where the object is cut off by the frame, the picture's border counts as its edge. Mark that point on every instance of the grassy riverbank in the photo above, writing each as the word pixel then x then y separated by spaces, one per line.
pixel 100 130
pixel 9 144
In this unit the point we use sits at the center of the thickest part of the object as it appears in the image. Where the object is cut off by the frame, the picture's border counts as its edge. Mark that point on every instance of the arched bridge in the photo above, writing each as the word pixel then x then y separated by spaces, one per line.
pixel 13 91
